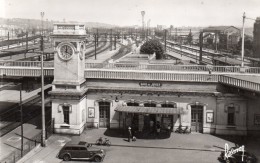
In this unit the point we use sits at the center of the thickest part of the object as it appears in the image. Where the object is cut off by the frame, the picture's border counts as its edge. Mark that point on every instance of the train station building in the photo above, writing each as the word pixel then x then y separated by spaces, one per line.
pixel 117 95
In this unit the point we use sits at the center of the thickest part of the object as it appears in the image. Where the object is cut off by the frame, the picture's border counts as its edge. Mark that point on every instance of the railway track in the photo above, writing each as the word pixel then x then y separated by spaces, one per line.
pixel 125 49
pixel 10 119
pixel 204 60
pixel 103 47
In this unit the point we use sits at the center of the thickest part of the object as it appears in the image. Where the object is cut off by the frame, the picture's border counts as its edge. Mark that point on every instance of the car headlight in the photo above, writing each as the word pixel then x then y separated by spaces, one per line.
pixel 102 151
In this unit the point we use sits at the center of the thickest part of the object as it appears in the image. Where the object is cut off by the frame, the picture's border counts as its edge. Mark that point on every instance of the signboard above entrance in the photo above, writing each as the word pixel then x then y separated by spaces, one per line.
pixel 150 84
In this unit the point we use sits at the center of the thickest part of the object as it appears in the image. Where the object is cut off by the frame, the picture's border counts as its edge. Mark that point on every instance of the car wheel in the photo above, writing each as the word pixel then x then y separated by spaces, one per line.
pixel 229 161
pixel 66 157
pixel 97 158
pixel 98 142
pixel 108 143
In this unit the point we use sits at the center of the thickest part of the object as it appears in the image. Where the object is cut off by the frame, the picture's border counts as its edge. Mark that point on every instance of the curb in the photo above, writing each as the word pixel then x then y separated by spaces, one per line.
pixel 176 148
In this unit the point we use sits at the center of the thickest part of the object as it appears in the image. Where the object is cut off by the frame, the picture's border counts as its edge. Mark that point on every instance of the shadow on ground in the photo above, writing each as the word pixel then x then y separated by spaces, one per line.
pixel 139 135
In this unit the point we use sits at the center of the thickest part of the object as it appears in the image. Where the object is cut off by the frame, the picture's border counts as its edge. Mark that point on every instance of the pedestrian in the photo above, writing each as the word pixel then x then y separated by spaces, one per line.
pixel 151 126
pixel 158 128
pixel 169 129
pixel 129 134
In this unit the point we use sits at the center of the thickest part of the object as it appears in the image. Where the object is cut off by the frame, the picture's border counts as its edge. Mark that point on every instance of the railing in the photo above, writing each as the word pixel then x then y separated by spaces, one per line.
pixel 26 63
pixel 26 71
pixel 148 75
pixel 239 83
pixel 143 66
pixel 169 67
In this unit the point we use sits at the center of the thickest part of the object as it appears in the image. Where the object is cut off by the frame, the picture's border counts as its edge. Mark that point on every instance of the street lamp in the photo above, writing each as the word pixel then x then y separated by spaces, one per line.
pixel 42 85
pixel 42 15
pixel 243 38
pixel 21 112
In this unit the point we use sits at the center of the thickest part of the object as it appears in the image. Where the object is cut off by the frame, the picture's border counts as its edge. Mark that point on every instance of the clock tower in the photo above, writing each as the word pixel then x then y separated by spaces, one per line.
pixel 68 88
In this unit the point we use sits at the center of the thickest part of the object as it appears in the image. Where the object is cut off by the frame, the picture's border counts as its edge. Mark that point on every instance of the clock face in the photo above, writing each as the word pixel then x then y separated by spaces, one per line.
pixel 66 52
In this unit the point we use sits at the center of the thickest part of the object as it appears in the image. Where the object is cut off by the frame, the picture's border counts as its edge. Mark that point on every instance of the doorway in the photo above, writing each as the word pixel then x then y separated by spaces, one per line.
pixel 197 118
pixel 104 114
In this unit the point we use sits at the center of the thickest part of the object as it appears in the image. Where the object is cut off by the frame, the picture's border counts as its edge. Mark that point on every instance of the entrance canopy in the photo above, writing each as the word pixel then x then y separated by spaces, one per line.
pixel 149 110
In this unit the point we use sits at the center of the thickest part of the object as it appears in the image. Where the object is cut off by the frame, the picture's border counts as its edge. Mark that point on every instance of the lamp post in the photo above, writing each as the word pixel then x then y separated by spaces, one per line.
pixel 243 38
pixel 42 89
pixel 21 112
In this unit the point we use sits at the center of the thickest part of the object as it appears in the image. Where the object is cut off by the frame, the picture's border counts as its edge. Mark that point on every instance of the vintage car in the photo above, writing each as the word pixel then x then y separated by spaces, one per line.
pixel 81 151
pixel 237 157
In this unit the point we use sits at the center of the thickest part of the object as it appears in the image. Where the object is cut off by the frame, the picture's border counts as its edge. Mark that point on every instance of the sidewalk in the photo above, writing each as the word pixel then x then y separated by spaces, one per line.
pixel 178 142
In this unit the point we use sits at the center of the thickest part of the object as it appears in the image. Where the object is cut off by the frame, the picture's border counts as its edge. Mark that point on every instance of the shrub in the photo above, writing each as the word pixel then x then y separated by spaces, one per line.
pixel 153 46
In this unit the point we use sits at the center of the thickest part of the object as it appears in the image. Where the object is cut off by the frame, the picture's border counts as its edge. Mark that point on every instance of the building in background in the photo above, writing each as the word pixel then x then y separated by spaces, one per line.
pixel 228 36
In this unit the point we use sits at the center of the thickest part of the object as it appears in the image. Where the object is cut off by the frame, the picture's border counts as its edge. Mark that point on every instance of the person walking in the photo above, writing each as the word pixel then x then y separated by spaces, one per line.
pixel 158 128
pixel 129 134
pixel 151 126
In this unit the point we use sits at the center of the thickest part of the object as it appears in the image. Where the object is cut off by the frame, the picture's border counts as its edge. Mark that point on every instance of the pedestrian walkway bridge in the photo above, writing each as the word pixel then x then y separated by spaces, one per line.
pixel 242 77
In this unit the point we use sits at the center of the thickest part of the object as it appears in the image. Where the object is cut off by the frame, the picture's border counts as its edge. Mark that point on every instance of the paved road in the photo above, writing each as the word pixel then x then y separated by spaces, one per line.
pixel 178 148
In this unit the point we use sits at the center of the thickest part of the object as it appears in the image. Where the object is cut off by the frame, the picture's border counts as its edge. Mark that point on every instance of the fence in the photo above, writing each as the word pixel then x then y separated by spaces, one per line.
pixel 29 144
pixel 170 67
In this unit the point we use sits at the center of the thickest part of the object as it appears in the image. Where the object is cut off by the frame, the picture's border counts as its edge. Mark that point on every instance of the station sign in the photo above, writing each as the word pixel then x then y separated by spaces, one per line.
pixel 150 84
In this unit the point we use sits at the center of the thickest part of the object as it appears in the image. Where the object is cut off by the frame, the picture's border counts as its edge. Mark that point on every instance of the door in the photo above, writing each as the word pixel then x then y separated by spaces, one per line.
pixel 83 153
pixel 197 118
pixel 104 114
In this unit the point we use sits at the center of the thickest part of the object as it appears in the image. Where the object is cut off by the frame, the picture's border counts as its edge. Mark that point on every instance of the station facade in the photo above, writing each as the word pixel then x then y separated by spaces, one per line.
pixel 78 103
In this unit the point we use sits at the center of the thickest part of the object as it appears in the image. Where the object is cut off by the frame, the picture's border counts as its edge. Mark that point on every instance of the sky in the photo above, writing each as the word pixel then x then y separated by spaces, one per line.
pixel 128 12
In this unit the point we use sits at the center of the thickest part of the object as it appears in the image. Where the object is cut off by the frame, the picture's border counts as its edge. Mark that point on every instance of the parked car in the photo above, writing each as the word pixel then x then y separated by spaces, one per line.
pixel 81 150
pixel 237 158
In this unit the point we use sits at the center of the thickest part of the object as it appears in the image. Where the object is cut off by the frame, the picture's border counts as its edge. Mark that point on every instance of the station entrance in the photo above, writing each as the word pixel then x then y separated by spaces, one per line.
pixel 104 114
pixel 197 118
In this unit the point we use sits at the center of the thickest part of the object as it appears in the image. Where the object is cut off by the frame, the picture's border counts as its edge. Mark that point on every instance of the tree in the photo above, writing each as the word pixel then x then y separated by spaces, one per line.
pixel 248 46
pixel 153 46
pixel 189 38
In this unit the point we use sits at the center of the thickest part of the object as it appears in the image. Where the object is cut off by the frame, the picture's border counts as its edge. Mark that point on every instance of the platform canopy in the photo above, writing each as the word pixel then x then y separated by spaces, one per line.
pixel 149 110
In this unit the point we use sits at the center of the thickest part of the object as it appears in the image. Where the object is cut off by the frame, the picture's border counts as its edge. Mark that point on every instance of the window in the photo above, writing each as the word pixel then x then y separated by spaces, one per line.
pixel 132 104
pixel 82 148
pixel 231 116
pixel 168 106
pixel 66 113
pixel 149 105
pixel 68 148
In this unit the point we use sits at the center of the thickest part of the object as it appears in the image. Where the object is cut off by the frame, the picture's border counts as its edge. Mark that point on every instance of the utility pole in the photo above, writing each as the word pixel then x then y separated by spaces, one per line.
pixel 8 39
pixel 201 45
pixel 243 39
pixel 97 37
pixel 111 41
pixel 165 33
pixel 21 112
pixel 176 35
pixel 115 42
pixel 216 45
pixel 26 48
pixel 43 143
pixel 95 47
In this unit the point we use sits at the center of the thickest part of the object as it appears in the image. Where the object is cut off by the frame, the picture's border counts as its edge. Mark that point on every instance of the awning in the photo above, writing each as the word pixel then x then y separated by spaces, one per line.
pixel 149 110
